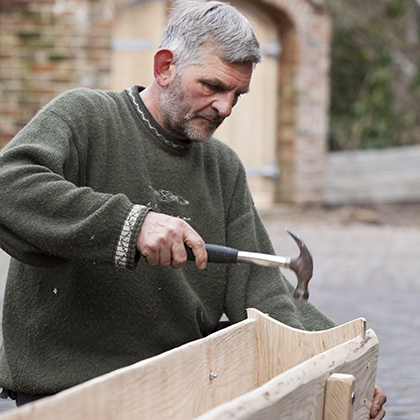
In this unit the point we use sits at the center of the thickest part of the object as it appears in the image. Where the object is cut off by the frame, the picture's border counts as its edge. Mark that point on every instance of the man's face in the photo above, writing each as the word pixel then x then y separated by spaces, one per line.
pixel 197 101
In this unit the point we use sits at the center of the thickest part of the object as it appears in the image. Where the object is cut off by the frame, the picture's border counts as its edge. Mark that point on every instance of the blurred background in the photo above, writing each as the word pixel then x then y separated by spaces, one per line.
pixel 329 136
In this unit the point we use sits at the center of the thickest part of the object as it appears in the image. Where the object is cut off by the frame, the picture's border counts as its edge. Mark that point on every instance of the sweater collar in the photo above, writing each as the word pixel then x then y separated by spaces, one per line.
pixel 147 118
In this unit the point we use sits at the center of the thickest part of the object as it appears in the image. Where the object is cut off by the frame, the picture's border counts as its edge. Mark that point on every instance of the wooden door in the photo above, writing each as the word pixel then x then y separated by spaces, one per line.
pixel 137 33
pixel 251 129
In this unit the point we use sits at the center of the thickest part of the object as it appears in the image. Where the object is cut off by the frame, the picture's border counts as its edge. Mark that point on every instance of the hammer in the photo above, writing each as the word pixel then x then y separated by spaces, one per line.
pixel 301 265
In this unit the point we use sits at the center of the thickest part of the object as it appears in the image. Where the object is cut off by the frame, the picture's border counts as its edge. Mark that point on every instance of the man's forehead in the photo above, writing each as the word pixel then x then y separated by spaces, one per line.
pixel 226 75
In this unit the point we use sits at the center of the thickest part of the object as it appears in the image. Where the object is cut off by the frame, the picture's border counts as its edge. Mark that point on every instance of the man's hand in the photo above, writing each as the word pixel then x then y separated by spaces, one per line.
pixel 161 241
pixel 377 411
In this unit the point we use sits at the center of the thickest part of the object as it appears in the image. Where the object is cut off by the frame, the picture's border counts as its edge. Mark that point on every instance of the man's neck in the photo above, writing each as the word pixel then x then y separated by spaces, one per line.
pixel 150 97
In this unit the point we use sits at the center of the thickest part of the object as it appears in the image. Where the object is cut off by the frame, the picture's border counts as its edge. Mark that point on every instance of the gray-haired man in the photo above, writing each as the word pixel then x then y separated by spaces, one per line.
pixel 100 192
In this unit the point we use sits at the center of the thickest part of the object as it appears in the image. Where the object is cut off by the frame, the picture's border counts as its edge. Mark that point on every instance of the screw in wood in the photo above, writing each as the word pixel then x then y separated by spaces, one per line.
pixel 212 375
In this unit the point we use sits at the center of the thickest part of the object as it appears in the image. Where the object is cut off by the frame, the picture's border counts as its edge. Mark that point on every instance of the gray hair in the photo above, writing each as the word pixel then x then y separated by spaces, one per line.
pixel 196 24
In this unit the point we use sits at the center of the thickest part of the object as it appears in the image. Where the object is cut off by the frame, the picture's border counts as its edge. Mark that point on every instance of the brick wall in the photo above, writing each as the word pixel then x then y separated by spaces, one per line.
pixel 303 99
pixel 46 48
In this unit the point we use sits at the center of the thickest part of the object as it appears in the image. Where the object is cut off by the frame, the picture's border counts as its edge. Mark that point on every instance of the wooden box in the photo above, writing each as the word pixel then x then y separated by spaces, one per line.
pixel 256 369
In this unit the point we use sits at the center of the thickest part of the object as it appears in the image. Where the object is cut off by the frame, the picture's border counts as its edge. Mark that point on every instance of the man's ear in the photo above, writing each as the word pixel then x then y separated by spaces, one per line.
pixel 163 68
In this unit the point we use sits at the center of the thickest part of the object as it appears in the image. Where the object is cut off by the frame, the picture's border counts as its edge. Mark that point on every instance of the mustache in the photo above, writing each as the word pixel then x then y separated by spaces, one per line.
pixel 211 116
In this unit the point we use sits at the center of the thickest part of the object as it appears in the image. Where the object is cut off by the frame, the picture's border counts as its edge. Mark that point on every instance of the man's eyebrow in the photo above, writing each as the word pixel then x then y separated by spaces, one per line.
pixel 221 85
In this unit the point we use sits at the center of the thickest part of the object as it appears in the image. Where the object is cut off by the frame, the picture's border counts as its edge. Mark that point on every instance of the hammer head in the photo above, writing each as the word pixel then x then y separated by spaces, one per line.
pixel 303 266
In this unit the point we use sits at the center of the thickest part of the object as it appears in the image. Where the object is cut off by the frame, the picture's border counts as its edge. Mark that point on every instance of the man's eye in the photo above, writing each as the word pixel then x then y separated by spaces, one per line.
pixel 235 101
pixel 212 87
pixel 237 96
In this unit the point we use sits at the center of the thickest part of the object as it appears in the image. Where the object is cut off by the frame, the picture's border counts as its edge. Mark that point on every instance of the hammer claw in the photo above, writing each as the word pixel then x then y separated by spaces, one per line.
pixel 302 266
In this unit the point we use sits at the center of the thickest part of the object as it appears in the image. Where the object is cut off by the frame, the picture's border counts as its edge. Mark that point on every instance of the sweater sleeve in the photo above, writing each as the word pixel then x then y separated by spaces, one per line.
pixel 47 216
pixel 263 288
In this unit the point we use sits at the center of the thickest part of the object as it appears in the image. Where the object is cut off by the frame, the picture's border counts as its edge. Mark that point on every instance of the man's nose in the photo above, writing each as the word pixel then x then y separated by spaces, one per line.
pixel 223 104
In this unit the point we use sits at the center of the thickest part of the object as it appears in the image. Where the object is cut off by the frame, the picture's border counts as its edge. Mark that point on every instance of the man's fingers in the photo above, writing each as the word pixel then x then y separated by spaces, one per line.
pixel 377 411
pixel 199 250
pixel 179 255
pixel 381 414
pixel 164 257
pixel 151 256
pixel 161 241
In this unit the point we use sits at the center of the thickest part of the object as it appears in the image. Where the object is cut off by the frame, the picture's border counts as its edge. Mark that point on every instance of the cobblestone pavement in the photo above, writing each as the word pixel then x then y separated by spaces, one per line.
pixel 367 264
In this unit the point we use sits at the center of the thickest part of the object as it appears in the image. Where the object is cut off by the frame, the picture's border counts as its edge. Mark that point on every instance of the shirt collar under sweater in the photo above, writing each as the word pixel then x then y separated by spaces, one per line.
pixel 147 118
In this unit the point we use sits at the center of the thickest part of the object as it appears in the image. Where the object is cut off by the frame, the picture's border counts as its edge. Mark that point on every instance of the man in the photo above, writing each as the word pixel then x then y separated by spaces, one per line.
pixel 99 194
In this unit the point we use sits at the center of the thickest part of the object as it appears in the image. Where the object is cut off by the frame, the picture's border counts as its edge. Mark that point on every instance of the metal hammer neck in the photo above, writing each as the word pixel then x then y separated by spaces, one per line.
pixel 263 259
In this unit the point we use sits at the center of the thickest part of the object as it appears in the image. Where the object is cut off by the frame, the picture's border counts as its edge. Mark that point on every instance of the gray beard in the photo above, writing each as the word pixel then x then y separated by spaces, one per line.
pixel 178 119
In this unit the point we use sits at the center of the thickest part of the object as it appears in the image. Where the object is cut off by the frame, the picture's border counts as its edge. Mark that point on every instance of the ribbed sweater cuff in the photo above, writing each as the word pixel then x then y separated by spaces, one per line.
pixel 126 254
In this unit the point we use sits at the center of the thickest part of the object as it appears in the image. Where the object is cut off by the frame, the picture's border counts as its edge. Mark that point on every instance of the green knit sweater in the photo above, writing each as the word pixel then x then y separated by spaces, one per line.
pixel 75 186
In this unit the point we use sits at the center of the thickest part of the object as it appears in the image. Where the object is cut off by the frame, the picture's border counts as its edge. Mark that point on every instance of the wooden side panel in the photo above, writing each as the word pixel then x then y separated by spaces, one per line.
pixel 174 385
pixel 282 347
pixel 298 394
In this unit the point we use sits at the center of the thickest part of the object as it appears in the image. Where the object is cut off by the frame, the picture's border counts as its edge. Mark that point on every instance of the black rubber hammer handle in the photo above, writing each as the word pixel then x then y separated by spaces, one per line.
pixel 216 254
